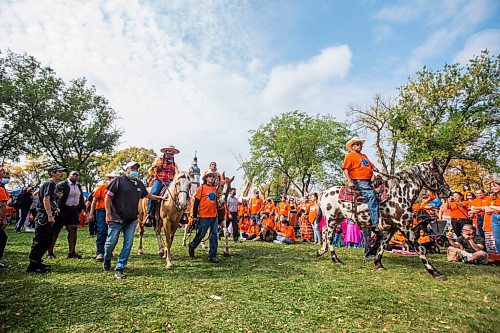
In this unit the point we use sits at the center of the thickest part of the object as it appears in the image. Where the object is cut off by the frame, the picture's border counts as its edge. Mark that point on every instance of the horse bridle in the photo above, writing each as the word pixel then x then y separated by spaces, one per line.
pixel 177 205
pixel 427 186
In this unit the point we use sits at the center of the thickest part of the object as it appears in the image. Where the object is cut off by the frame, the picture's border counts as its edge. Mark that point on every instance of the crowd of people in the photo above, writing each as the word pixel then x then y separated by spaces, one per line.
pixel 112 209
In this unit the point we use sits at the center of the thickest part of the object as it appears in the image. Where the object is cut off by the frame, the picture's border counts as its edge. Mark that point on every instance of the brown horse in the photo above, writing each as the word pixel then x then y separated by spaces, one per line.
pixel 171 210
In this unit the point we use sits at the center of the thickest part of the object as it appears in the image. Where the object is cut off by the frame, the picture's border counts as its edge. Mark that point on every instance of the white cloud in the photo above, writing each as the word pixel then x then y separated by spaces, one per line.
pixel 296 86
pixel 487 39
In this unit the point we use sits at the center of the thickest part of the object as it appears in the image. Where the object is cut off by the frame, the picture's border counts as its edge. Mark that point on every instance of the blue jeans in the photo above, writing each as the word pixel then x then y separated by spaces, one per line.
pixel 480 225
pixel 495 227
pixel 255 217
pixel 317 234
pixel 285 240
pixel 366 189
pixel 128 240
pixel 155 189
pixel 203 225
pixel 102 230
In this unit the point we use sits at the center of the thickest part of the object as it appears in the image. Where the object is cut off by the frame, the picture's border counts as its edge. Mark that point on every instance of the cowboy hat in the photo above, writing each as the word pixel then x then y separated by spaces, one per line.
pixel 354 140
pixel 112 174
pixel 209 173
pixel 170 149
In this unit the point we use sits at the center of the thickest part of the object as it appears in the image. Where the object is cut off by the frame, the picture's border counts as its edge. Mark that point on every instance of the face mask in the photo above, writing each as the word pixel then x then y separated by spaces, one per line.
pixel 5 181
pixel 134 174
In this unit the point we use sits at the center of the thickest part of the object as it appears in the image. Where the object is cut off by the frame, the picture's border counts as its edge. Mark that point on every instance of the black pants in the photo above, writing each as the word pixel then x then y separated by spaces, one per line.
pixel 3 241
pixel 457 225
pixel 233 219
pixel 24 214
pixel 41 241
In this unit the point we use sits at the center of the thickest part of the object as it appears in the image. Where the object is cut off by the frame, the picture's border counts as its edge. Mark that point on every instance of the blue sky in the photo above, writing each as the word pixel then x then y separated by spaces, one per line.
pixel 200 74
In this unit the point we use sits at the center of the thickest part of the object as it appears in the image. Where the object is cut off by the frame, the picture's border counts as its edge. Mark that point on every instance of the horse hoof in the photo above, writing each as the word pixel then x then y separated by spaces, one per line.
pixel 226 254
pixel 379 269
pixel 169 266
pixel 140 252
pixel 338 263
pixel 441 277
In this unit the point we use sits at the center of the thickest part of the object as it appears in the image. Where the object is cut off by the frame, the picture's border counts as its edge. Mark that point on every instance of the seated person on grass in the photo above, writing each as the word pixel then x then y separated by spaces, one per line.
pixel 425 240
pixel 252 232
pixel 244 224
pixel 267 232
pixel 286 235
pixel 468 248
pixel 398 242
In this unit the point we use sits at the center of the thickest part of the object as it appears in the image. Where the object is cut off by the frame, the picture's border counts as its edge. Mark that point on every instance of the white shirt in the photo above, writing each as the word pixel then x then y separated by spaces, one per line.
pixel 74 194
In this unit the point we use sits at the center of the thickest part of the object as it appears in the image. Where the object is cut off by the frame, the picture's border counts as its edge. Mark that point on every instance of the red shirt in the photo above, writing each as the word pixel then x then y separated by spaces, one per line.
pixel 165 172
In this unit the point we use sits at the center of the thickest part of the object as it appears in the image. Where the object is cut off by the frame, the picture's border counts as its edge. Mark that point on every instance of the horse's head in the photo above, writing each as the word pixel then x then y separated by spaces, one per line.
pixel 224 187
pixel 180 193
pixel 431 175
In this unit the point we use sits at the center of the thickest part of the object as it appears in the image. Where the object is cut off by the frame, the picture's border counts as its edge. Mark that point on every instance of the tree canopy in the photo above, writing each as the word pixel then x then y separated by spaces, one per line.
pixel 451 113
pixel 303 149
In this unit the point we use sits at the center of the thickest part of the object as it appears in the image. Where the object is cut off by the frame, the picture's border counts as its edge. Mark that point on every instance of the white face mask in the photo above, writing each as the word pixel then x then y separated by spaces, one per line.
pixel 5 181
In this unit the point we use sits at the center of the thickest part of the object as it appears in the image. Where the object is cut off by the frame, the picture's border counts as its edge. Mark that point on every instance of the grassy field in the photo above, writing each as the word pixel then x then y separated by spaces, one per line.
pixel 264 288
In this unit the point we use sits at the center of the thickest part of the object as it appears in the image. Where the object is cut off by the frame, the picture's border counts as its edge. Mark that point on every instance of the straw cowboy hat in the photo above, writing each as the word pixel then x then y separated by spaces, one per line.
pixel 354 140
pixel 170 149
pixel 210 173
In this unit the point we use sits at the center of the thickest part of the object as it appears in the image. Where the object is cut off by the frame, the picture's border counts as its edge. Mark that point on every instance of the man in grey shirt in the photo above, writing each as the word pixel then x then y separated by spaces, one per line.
pixel 232 204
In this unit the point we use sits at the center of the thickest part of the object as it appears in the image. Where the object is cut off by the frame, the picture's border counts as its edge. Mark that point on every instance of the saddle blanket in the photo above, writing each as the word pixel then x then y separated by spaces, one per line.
pixel 346 194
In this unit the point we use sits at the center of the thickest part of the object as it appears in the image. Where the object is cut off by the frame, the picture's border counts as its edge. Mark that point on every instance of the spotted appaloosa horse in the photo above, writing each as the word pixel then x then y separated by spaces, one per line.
pixel 402 192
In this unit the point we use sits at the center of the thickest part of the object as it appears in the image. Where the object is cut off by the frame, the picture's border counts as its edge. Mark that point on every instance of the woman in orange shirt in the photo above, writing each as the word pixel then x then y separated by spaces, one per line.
pixel 306 230
pixel 313 213
pixel 252 232
pixel 286 235
pixel 292 215
pixel 267 232
pixel 459 212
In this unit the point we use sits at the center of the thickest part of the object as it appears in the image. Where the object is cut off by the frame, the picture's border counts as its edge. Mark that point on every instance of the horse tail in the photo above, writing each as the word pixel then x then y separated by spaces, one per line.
pixel 319 215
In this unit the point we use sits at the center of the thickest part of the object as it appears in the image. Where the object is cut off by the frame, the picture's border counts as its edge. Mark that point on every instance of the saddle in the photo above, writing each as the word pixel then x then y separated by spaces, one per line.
pixel 354 195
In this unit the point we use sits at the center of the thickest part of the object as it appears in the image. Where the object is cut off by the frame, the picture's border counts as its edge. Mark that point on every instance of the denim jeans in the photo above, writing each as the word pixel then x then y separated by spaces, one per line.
pixel 255 217
pixel 102 230
pixel 285 240
pixel 480 225
pixel 366 189
pixel 317 234
pixel 203 225
pixel 155 189
pixel 495 227
pixel 128 240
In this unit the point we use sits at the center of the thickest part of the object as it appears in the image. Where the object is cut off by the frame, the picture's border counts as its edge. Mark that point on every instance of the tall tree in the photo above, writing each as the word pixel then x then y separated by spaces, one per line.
pixel 451 113
pixel 303 148
pixel 375 119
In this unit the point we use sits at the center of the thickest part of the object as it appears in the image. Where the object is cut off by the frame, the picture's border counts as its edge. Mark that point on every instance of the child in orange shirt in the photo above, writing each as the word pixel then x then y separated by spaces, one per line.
pixel 252 232
pixel 244 224
pixel 425 240
pixel 286 235
pixel 267 232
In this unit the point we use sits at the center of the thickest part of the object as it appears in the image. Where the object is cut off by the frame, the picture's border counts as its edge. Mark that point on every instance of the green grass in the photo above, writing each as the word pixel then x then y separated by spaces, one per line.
pixel 264 288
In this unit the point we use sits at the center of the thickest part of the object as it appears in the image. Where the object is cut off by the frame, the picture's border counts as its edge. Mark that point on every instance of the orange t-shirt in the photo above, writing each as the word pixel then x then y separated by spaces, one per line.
pixel 311 208
pixel 253 230
pixel 478 202
pixel 424 239
pixel 398 238
pixel 283 208
pixel 279 226
pixel 487 216
pixel 288 232
pixel 208 201
pixel 242 210
pixel 269 207
pixel 4 195
pixel 255 205
pixel 358 165
pixel 99 195
pixel 269 224
pixel 459 211
pixel 244 224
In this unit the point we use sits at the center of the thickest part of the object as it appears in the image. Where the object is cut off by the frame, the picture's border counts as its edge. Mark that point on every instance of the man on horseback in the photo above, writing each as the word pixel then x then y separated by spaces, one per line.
pixel 163 170
pixel 358 170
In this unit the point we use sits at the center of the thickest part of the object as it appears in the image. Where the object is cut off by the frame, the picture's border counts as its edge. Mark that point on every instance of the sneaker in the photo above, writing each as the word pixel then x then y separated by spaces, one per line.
pixel 36 269
pixel 17 231
pixel 99 257
pixel 213 259
pixel 191 252
pixel 106 265
pixel 51 256
pixel 74 255
pixel 120 275
pixel 29 229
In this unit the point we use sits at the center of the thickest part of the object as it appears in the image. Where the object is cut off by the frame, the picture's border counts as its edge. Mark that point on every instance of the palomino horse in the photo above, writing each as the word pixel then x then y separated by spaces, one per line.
pixel 402 192
pixel 171 211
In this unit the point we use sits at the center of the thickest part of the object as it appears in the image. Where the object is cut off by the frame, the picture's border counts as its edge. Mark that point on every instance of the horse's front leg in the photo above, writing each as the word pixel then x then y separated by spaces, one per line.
pixel 168 240
pixel 422 254
pixel 184 237
pixel 161 248
pixel 335 258
pixel 226 238
pixel 141 236
pixel 380 251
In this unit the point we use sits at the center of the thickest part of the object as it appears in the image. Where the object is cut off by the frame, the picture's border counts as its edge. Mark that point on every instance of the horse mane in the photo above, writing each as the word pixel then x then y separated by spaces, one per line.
pixel 407 173
pixel 171 187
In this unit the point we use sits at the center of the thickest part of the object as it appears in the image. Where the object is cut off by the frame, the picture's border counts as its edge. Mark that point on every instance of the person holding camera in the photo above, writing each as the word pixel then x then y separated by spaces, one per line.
pixel 468 248
pixel 459 212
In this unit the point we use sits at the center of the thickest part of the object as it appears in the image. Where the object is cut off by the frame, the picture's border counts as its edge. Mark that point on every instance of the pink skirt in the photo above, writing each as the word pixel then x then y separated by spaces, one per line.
pixel 352 234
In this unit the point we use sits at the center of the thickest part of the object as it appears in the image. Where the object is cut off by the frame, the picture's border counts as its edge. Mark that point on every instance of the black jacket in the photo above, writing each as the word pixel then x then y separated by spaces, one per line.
pixel 64 187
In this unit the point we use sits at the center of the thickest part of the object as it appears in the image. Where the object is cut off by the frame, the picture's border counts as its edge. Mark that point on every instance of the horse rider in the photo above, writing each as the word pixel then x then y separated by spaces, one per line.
pixel 358 170
pixel 163 170
pixel 212 168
